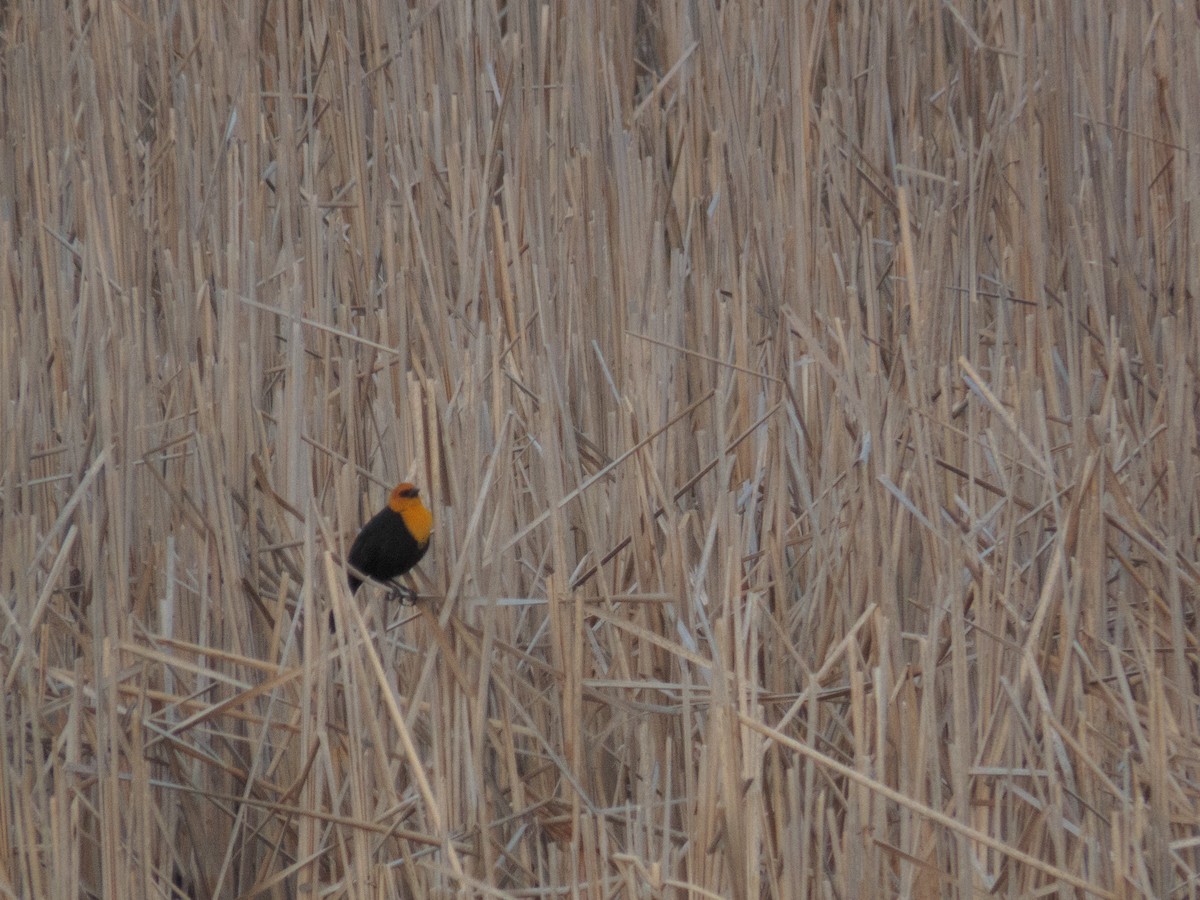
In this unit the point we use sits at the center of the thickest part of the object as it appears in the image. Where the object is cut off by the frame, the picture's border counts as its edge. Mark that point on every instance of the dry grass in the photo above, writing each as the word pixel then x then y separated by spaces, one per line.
pixel 806 395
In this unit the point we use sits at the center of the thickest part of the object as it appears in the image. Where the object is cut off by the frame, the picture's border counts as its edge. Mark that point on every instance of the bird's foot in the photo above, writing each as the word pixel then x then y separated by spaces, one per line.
pixel 405 595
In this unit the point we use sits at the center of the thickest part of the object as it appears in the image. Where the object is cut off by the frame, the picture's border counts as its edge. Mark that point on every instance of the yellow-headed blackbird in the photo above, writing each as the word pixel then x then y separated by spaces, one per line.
pixel 394 540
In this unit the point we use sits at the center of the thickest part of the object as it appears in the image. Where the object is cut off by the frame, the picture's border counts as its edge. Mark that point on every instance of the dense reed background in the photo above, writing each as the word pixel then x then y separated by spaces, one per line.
pixel 806 394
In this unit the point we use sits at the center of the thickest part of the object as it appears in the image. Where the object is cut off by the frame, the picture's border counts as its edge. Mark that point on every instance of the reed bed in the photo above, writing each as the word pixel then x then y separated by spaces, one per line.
pixel 806 395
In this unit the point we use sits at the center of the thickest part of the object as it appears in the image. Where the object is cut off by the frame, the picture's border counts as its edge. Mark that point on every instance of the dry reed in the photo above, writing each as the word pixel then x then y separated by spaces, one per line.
pixel 806 394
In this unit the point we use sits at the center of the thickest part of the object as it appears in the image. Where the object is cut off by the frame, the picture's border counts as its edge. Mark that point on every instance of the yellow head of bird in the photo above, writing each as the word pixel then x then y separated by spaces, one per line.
pixel 405 499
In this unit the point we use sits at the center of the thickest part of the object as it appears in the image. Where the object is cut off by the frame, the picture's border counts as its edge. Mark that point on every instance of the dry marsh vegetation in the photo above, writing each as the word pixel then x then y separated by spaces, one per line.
pixel 806 394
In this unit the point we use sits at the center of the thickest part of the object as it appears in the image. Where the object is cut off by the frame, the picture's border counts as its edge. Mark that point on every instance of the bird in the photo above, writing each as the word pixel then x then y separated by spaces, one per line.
pixel 393 541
